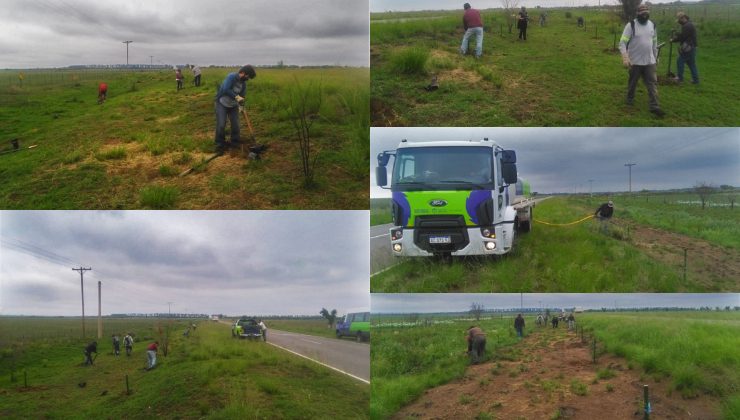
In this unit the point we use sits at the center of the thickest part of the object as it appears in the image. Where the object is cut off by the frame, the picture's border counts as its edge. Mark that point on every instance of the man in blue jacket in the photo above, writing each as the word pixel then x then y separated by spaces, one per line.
pixel 229 98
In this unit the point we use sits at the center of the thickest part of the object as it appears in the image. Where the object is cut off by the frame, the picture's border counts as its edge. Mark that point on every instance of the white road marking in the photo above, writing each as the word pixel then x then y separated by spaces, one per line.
pixel 311 341
pixel 322 364
pixel 385 269
pixel 379 236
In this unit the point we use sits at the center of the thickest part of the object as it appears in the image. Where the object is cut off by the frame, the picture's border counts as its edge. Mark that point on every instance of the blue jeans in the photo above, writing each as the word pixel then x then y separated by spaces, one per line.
pixel 520 332
pixel 689 59
pixel 151 358
pixel 478 32
pixel 221 113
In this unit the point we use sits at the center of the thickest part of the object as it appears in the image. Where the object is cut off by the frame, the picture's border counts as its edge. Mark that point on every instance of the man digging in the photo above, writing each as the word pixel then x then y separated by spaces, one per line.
pixel 229 99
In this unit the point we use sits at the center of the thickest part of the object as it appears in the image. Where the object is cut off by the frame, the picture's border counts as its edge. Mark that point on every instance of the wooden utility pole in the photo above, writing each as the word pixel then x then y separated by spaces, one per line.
pixel 127 42
pixel 630 165
pixel 100 317
pixel 82 293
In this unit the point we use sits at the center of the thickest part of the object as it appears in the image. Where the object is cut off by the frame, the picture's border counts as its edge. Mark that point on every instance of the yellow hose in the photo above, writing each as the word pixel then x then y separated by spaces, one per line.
pixel 565 224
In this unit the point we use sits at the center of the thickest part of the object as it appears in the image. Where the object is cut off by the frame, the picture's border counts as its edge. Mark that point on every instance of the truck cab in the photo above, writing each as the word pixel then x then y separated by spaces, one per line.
pixel 454 198
pixel 355 324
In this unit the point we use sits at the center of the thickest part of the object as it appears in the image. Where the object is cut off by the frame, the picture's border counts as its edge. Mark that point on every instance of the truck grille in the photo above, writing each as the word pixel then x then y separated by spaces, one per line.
pixel 453 227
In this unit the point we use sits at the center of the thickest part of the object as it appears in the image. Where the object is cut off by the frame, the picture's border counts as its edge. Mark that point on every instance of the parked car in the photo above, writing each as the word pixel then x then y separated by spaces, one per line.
pixel 355 324
pixel 246 328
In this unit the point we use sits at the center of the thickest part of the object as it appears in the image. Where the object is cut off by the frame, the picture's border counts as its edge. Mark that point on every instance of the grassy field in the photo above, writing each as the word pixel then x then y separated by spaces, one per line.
pixel 718 222
pixel 128 152
pixel 561 76
pixel 693 350
pixel 591 262
pixel 208 375
pixel 405 361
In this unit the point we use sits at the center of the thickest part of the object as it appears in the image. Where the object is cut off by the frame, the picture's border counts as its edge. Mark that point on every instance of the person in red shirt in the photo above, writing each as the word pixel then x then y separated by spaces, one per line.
pixel 151 354
pixel 473 25
pixel 178 78
pixel 102 92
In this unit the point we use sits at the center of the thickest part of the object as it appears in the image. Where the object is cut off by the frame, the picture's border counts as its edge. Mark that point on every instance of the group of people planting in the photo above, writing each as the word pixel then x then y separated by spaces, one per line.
pixel 128 343
pixel 228 103
pixel 638 47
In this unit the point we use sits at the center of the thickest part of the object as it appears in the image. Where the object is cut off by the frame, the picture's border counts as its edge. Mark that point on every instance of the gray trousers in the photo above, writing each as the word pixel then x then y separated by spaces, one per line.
pixel 478 349
pixel 649 76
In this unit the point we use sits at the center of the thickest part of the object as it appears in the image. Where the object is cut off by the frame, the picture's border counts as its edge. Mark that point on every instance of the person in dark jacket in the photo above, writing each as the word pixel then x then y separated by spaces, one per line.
pixel 519 326
pixel 522 19
pixel 476 344
pixel 89 350
pixel 603 214
pixel 686 48
pixel 555 321
pixel 473 25
pixel 116 344
pixel 229 98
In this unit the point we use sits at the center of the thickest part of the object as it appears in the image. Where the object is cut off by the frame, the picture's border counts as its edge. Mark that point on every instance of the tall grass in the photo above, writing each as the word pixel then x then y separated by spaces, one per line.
pixel 694 349
pixel 548 259
pixel 407 360
pixel 410 61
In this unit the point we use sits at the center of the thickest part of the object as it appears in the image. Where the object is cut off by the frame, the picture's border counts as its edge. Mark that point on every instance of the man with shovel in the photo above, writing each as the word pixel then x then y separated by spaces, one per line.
pixel 686 48
pixel 228 99
pixel 476 344
pixel 639 48
pixel 89 350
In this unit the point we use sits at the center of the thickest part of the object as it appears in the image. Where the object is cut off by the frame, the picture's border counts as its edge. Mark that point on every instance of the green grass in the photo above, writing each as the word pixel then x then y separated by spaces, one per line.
pixel 407 360
pixel 682 213
pixel 209 375
pixel 561 76
pixel 159 197
pixel 579 388
pixel 136 131
pixel 410 61
pixel 549 259
pixel 696 350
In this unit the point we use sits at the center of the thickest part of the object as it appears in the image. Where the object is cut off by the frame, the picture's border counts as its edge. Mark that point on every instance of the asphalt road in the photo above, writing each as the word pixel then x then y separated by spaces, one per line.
pixel 381 256
pixel 344 355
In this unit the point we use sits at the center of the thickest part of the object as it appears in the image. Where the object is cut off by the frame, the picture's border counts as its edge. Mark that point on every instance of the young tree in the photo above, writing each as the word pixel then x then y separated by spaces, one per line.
pixel 510 9
pixel 704 190
pixel 331 317
pixel 302 107
pixel 476 309
pixel 629 9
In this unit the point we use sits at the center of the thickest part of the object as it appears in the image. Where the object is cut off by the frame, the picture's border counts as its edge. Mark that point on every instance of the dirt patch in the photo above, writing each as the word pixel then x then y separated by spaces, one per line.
pixel 548 380
pixel 459 75
pixel 382 114
pixel 709 265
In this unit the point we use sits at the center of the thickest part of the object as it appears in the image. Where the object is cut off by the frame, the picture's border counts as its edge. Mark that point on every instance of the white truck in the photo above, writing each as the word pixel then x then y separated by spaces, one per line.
pixel 455 198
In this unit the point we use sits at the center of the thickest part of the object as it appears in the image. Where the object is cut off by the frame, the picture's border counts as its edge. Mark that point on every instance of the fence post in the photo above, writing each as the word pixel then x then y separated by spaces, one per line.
pixel 594 349
pixel 647 402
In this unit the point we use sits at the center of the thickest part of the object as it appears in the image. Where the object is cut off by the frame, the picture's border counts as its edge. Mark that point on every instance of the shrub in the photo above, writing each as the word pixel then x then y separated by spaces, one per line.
pixel 158 197
pixel 410 61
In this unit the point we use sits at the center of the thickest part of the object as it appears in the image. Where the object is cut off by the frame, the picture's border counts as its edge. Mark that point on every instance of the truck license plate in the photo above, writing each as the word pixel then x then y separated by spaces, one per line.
pixel 440 240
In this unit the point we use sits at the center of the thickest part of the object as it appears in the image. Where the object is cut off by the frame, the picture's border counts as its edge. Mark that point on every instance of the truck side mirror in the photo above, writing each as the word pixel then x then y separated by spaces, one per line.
pixel 508 156
pixel 381 176
pixel 383 159
pixel 508 170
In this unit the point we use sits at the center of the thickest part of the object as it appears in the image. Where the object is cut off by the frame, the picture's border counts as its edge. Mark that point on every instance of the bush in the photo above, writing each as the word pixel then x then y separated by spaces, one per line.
pixel 410 61
pixel 159 197
pixel 568 15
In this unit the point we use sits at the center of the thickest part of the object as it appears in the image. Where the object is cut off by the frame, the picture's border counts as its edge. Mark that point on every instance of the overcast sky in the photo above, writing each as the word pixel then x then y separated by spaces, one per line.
pixel 232 262
pixel 407 5
pixel 460 302
pixel 564 159
pixel 59 33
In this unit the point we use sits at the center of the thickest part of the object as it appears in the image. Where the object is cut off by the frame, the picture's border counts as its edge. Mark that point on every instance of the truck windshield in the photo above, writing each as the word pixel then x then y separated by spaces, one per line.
pixel 443 168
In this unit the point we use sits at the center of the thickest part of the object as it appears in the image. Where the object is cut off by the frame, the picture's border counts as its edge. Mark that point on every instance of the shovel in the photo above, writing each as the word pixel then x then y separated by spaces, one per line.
pixel 670 61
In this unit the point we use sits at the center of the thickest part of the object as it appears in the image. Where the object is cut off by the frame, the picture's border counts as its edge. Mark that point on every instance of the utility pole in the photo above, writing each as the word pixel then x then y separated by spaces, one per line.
pixel 590 187
pixel 100 316
pixel 169 310
pixel 127 42
pixel 82 292
pixel 630 165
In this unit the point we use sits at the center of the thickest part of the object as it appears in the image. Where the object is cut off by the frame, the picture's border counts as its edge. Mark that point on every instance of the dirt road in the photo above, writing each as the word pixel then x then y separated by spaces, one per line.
pixel 550 374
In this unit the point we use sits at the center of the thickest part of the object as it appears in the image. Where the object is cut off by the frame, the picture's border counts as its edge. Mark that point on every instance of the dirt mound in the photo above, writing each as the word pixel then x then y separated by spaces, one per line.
pixel 556 380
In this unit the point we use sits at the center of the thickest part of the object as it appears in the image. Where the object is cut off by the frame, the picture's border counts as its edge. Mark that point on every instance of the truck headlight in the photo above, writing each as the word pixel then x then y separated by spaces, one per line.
pixel 488 233
pixel 397 234
pixel 397 247
pixel 490 246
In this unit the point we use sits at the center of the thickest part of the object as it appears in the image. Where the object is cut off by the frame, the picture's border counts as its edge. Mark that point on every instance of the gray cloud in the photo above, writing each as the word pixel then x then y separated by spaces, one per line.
pixel 282 260
pixel 564 159
pixel 51 33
